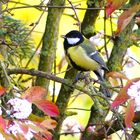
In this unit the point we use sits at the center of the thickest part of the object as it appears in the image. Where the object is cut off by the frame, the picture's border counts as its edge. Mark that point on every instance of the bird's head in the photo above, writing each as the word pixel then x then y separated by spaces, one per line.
pixel 73 38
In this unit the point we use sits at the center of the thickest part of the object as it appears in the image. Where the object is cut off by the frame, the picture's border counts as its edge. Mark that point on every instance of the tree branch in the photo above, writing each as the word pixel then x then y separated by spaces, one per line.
pixel 67 81
pixel 50 37
pixel 37 73
pixel 78 20
pixel 90 17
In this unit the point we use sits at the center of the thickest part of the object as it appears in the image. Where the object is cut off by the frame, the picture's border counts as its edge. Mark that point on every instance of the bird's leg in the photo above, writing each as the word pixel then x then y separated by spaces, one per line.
pixel 81 76
pixel 77 77
pixel 87 78
pixel 104 89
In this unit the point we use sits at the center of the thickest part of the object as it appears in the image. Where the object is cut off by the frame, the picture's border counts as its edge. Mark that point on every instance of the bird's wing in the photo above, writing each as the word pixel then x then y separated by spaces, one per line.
pixel 94 54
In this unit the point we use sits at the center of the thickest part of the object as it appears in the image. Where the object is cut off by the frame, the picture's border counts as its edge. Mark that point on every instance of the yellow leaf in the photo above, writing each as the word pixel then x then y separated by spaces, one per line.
pixel 1 58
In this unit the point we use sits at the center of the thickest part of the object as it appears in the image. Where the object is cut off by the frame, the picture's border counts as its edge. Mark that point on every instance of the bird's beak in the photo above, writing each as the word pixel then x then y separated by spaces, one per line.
pixel 63 36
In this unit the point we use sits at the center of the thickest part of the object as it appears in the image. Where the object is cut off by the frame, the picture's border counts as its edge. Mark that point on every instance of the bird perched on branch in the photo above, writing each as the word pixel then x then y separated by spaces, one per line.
pixel 82 55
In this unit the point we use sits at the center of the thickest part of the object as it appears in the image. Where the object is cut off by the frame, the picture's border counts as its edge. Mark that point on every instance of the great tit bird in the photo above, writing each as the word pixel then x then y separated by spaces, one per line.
pixel 82 55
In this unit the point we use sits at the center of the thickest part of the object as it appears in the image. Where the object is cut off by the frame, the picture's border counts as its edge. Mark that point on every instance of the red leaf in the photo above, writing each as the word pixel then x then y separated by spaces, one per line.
pixel 129 114
pixel 123 96
pixel 125 18
pixel 112 5
pixel 2 90
pixel 35 94
pixel 2 123
pixel 48 107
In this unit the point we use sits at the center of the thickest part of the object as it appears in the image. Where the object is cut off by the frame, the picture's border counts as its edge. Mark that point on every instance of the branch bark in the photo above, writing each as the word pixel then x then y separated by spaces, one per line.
pixel 87 26
pixel 3 51
pixel 38 73
pixel 62 102
pixel 50 38
pixel 67 81
pixel 121 44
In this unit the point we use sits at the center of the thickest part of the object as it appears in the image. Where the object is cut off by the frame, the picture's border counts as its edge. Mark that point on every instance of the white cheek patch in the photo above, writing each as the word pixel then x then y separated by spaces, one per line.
pixel 73 41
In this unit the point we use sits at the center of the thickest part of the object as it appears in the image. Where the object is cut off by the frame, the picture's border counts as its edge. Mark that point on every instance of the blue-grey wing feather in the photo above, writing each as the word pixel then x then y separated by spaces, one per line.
pixel 96 56
pixel 93 53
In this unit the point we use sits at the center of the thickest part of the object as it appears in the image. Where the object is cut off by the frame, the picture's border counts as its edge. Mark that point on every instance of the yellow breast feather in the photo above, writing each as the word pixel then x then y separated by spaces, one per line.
pixel 80 58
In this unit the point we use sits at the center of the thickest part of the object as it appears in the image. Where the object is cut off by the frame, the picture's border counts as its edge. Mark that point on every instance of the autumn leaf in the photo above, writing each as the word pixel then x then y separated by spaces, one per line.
pixel 35 94
pixel 2 123
pixel 48 107
pixel 125 18
pixel 115 74
pixel 112 5
pixel 123 96
pixel 129 114
pixel 49 123
pixel 2 90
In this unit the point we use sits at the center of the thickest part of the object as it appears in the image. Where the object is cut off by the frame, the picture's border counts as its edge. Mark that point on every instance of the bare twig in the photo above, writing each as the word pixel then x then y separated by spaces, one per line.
pixel 35 24
pixel 135 60
pixel 82 109
pixel 5 72
pixel 73 7
pixel 49 6
pixel 37 73
pixel 31 57
pixel 105 45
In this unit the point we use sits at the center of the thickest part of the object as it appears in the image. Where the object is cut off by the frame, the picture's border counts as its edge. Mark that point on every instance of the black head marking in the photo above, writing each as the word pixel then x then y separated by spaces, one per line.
pixel 74 34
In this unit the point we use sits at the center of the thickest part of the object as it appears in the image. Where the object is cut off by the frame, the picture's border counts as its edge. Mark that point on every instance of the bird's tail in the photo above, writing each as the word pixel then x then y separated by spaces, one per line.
pixel 103 89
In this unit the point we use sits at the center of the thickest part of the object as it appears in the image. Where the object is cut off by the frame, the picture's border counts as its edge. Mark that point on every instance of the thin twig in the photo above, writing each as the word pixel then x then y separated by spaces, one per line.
pixel 79 23
pixel 31 57
pixel 135 60
pixel 49 6
pixel 5 72
pixel 82 109
pixel 105 44
pixel 54 83
pixel 36 23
